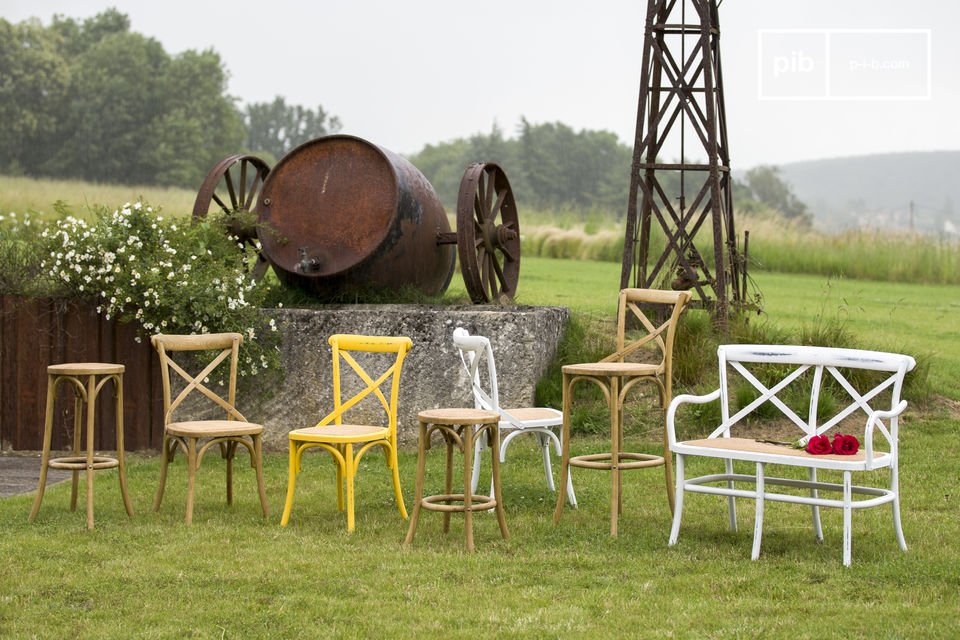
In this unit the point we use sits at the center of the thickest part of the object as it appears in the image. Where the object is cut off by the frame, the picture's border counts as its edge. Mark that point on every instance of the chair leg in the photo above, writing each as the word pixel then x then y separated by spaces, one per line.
pixel 77 435
pixel 169 447
pixel 731 501
pixel 565 451
pixel 668 469
pixel 397 490
pixel 227 449
pixel 477 457
pixel 815 509
pixel 847 518
pixel 418 494
pixel 45 458
pixel 469 435
pixel 121 463
pixel 91 415
pixel 615 440
pixel 448 485
pixel 758 521
pixel 191 476
pixel 678 501
pixel 496 490
pixel 340 479
pixel 349 473
pixel 547 466
pixel 258 465
pixel 897 527
pixel 291 485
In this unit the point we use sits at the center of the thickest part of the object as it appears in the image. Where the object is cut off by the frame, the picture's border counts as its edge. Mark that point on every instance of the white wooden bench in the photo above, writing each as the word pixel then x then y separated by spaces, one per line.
pixel 807 366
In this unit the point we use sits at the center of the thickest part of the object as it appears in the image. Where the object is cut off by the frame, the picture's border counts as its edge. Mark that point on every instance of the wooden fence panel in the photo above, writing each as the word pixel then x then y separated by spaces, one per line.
pixel 35 333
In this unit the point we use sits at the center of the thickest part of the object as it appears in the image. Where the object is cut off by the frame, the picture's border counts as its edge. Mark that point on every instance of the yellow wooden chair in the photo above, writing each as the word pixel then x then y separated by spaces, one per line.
pixel 195 437
pixel 338 438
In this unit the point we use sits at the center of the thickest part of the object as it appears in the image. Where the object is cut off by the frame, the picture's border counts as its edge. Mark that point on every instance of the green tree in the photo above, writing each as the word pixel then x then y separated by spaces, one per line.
pixel 34 85
pixel 275 128
pixel 197 124
pixel 766 186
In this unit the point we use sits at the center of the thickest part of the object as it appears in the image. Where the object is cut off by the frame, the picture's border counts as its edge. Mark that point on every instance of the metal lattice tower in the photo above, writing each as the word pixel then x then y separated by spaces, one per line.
pixel 681 108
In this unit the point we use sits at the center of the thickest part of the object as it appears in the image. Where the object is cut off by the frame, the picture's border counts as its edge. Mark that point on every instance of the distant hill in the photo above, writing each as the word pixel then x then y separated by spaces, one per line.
pixel 876 191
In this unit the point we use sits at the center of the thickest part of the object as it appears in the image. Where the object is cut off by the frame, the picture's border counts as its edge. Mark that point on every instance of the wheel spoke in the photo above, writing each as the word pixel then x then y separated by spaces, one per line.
pixel 482 190
pixel 496 267
pixel 254 191
pixel 491 189
pixel 508 252
pixel 494 289
pixel 499 205
pixel 223 206
pixel 484 269
pixel 233 194
pixel 478 208
pixel 243 183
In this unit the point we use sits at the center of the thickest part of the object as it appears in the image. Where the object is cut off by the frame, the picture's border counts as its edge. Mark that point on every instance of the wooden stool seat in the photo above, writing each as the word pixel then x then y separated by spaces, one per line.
pixel 84 378
pixel 460 427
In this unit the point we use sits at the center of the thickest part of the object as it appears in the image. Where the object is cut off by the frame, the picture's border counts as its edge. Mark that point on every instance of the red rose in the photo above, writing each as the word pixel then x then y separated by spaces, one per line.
pixel 845 445
pixel 819 445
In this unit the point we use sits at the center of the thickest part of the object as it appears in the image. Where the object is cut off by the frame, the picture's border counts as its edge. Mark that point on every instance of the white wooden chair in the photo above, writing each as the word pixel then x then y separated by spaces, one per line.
pixel 876 395
pixel 537 420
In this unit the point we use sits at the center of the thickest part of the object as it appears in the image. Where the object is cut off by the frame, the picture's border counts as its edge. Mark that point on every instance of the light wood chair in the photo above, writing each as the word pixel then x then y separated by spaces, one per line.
pixel 616 376
pixel 338 438
pixel 196 437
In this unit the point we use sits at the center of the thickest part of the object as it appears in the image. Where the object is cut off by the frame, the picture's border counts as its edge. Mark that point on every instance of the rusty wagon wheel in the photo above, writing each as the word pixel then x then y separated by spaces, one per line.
pixel 233 187
pixel 488 234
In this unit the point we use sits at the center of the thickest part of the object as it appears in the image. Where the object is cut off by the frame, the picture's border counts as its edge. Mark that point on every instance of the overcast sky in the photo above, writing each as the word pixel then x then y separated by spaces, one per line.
pixel 406 74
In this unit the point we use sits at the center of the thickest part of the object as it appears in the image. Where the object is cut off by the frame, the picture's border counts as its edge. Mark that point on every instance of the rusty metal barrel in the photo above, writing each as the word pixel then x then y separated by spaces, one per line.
pixel 339 215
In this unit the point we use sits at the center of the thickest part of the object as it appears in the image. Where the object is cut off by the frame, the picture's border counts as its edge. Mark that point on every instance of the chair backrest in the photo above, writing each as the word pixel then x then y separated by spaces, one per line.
pixel 473 349
pixel 343 345
pixel 841 364
pixel 631 305
pixel 229 346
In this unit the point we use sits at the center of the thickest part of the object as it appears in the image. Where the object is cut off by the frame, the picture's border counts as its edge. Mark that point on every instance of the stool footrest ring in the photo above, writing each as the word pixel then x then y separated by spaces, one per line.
pixel 479 503
pixel 605 461
pixel 78 463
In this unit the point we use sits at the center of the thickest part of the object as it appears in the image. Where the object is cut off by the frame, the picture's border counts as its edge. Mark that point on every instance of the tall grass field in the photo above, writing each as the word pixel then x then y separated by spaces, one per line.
pixel 233 574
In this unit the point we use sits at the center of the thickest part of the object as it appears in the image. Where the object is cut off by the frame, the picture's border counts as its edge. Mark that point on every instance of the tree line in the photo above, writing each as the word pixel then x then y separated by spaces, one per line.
pixel 92 100
pixel 551 166
pixel 95 101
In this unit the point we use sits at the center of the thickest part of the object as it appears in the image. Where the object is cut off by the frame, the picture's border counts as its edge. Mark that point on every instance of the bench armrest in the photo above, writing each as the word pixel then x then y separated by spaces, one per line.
pixel 675 404
pixel 873 420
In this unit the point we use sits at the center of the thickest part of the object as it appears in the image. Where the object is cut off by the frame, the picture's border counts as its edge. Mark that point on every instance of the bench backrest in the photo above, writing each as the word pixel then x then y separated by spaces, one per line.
pixel 807 366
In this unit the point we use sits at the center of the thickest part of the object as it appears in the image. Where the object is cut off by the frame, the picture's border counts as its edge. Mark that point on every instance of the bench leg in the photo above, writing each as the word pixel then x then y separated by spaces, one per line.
pixel 817 529
pixel 758 522
pixel 731 501
pixel 847 517
pixel 895 487
pixel 678 503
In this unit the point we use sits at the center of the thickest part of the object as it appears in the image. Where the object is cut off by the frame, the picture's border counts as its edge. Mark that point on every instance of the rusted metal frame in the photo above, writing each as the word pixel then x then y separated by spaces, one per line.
pixel 720 281
pixel 738 268
pixel 670 235
pixel 630 233
pixel 686 234
pixel 682 86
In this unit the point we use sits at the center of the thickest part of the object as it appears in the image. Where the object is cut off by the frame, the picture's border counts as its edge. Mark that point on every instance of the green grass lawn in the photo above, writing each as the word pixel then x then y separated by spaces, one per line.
pixel 234 574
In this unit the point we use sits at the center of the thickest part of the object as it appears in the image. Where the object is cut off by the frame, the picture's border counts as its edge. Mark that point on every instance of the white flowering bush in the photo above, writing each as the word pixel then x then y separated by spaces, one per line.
pixel 170 276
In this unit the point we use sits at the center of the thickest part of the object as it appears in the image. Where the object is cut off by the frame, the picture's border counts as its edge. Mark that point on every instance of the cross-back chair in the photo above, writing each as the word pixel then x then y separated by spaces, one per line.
pixel 196 437
pixel 615 375
pixel 540 421
pixel 338 438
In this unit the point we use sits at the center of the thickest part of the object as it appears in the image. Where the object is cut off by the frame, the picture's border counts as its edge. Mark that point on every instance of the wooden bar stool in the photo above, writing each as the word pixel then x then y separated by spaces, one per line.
pixel 616 375
pixel 86 393
pixel 462 427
